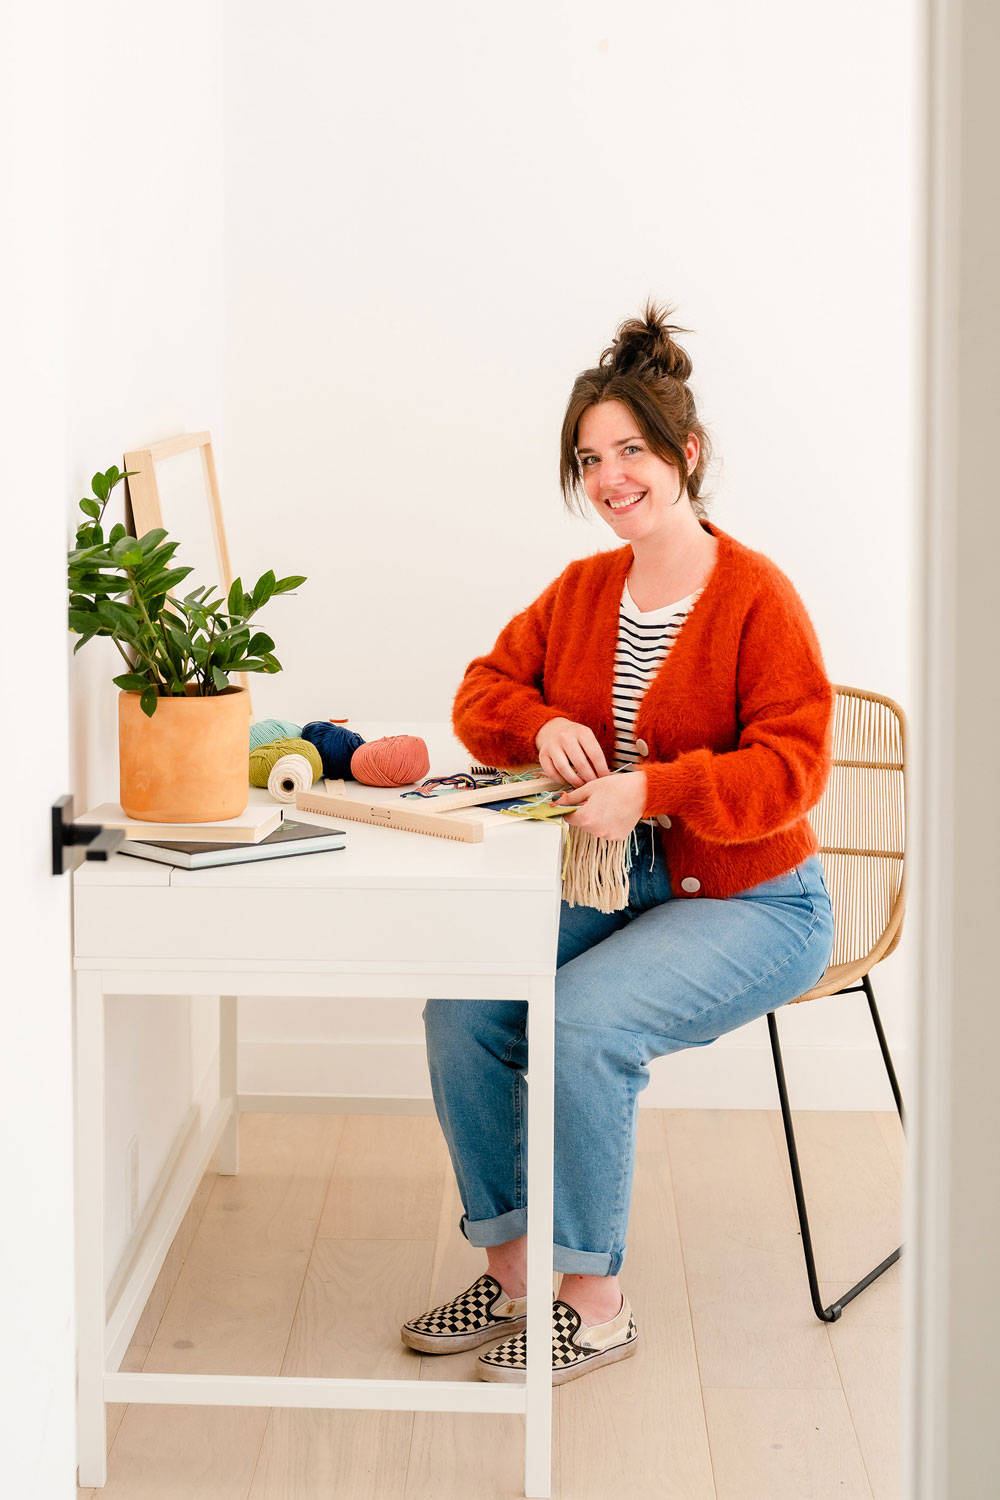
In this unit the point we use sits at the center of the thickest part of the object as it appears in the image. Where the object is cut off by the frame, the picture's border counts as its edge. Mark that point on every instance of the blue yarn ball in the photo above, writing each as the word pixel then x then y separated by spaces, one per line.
pixel 335 744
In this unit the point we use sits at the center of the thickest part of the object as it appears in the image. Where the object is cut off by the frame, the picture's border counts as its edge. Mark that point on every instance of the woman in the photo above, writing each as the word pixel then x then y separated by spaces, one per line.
pixel 687 661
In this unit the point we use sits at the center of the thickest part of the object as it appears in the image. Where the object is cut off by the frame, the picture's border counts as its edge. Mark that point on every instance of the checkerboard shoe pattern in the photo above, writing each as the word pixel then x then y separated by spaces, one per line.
pixel 576 1348
pixel 475 1316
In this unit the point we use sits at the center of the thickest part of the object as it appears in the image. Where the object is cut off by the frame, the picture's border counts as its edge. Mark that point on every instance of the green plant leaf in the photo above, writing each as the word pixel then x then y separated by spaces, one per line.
pixel 285 584
pixel 113 474
pixel 117 532
pixel 234 603
pixel 220 679
pixel 263 589
pixel 131 682
pixel 101 486
pixel 259 644
pixel 126 552
pixel 148 702
pixel 84 620
pixel 91 508
pixel 151 539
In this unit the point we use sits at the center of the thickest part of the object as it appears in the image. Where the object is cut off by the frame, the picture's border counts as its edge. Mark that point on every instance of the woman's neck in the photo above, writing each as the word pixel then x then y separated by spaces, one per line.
pixel 665 569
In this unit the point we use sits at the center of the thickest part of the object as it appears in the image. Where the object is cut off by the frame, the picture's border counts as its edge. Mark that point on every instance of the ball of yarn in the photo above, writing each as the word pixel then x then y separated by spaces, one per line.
pixel 265 757
pixel 394 761
pixel 269 730
pixel 335 744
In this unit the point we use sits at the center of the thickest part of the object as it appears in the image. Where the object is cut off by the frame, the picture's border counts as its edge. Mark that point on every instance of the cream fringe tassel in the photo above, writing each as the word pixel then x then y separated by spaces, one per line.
pixel 595 871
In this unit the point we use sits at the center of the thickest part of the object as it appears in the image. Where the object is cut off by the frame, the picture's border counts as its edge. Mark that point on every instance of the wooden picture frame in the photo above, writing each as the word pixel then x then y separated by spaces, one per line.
pixel 145 498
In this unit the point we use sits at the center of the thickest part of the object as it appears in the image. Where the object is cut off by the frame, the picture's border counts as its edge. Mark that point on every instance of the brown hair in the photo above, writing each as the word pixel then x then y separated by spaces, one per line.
pixel 646 371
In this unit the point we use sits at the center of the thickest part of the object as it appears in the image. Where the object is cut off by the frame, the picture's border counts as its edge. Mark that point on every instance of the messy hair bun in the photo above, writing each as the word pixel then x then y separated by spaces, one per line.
pixel 646 370
pixel 645 344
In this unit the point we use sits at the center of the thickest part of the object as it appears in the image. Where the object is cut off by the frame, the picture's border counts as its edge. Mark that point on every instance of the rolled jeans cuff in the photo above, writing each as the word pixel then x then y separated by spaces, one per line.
pixel 484 1233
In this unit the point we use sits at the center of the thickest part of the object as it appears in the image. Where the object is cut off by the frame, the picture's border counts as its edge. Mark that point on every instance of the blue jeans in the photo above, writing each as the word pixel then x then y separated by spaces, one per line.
pixel 655 978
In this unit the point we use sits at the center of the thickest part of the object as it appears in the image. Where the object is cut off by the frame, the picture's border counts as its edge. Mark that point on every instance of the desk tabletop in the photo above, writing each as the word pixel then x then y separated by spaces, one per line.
pixel 514 855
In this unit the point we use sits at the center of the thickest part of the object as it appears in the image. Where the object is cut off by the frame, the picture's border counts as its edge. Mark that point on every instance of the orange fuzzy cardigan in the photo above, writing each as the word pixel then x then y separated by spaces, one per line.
pixel 738 720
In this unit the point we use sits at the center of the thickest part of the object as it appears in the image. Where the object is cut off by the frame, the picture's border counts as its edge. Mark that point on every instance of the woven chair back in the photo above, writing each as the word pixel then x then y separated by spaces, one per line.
pixel 860 823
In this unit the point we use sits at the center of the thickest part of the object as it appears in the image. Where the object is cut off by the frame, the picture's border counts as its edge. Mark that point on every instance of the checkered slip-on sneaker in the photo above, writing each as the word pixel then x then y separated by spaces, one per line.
pixel 472 1318
pixel 576 1349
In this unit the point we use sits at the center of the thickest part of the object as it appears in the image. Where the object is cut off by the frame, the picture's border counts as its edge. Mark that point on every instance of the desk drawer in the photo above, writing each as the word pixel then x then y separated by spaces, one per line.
pixel 182 926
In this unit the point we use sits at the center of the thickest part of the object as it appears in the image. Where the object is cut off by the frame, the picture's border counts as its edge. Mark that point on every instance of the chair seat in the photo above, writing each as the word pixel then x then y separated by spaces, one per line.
pixel 837 977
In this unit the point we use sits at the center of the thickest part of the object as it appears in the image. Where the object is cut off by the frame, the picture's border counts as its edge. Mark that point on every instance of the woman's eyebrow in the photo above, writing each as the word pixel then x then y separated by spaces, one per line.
pixel 635 438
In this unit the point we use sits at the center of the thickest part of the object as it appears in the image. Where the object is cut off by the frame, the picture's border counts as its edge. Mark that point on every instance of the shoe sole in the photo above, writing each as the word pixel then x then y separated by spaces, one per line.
pixel 455 1343
pixel 498 1373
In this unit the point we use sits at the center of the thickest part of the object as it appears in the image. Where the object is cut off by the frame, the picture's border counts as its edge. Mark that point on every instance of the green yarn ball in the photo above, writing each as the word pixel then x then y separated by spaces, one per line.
pixel 265 757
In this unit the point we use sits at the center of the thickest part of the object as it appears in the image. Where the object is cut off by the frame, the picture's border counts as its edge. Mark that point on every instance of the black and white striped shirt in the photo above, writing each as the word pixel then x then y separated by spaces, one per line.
pixel 644 642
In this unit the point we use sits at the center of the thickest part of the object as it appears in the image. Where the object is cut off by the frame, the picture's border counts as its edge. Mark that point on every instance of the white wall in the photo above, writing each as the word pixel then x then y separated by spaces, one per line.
pixel 436 216
pixel 36 1078
pixel 144 342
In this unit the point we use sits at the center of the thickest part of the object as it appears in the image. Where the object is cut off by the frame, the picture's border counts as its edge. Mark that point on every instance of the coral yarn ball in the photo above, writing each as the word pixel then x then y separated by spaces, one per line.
pixel 394 761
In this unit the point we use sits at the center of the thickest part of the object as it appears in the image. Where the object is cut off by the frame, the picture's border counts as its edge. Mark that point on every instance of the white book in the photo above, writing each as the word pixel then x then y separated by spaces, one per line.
pixel 254 823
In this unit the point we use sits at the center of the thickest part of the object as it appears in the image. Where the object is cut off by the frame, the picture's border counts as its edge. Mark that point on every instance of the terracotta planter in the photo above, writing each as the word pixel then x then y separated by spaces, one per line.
pixel 189 762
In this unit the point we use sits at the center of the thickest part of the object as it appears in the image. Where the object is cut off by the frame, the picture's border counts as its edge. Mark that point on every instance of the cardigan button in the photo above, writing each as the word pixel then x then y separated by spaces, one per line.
pixel 664 821
pixel 690 884
pixel 642 747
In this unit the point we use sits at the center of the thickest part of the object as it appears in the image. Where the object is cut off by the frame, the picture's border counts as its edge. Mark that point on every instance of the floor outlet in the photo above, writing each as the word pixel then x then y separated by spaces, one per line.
pixel 132 1182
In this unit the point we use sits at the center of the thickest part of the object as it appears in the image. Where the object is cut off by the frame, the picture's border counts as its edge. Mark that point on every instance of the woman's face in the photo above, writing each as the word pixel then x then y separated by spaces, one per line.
pixel 631 488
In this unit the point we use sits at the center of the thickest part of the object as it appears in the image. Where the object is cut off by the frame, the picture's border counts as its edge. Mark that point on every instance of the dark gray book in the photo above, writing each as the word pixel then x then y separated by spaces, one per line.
pixel 289 838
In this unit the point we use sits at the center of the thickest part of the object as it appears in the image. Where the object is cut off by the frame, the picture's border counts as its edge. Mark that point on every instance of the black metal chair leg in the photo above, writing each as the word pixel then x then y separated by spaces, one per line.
pixel 832 1313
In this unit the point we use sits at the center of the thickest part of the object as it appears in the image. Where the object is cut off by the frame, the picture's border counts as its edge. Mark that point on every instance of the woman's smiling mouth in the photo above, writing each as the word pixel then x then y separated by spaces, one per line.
pixel 622 503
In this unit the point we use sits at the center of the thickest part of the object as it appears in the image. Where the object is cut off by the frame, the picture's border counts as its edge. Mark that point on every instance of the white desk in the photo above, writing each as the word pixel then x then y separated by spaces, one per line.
pixel 393 914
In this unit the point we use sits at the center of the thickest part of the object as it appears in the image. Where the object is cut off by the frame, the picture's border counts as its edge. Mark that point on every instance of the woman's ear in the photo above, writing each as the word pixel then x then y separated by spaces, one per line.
pixel 692 450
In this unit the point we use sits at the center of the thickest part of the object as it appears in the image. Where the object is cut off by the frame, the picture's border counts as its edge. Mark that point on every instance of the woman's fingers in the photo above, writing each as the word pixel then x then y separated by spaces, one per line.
pixel 571 751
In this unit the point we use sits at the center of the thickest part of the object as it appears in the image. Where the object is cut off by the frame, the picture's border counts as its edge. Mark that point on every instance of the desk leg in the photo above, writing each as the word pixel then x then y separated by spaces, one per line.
pixel 538 1410
pixel 229 1145
pixel 90 1289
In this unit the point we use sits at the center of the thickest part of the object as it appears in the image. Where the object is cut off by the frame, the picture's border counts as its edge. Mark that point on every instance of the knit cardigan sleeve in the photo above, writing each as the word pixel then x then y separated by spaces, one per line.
pixel 781 762
pixel 499 708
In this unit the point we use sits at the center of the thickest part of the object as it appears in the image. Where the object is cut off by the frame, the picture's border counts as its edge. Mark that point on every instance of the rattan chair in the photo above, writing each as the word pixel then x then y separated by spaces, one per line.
pixel 860 823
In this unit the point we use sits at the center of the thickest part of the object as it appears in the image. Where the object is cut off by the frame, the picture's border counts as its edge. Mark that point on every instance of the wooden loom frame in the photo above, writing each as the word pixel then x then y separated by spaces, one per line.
pixel 147 510
pixel 433 815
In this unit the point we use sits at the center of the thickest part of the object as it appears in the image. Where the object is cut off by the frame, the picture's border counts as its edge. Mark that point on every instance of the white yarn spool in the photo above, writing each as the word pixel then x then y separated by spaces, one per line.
pixel 290 774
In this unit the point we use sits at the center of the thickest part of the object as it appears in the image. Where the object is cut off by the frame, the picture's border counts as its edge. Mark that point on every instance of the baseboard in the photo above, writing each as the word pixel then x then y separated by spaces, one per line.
pixel 725 1075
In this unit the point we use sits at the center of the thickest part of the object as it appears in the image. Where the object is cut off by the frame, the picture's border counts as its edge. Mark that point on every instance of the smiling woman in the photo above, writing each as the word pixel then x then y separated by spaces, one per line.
pixel 687 661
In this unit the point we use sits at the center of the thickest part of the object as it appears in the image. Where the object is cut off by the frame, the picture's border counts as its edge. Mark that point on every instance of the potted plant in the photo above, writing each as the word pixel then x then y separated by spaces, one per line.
pixel 182 727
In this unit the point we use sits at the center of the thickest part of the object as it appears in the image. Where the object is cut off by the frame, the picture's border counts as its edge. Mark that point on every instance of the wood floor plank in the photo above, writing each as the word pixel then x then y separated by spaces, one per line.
pixel 356 1295
pixel 232 1308
pixel 639 1426
pixel 333 1455
pixel 852 1188
pixel 753 1322
pixel 868 1357
pixel 457 1456
pixel 773 1444
pixel 149 1319
pixel 185 1453
pixel 387 1179
pixel 895 1142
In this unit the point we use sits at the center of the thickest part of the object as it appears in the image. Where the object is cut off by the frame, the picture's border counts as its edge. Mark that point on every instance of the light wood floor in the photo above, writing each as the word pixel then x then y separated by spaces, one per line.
pixel 340 1227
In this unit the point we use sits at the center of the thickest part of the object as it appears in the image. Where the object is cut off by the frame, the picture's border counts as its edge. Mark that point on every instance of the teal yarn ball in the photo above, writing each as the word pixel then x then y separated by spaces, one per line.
pixel 269 730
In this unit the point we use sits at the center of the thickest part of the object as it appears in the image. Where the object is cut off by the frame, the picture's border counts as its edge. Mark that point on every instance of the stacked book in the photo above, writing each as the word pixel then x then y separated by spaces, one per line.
pixel 260 832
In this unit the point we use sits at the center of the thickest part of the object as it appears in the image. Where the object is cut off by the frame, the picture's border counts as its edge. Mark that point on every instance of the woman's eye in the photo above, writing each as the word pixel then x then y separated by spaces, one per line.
pixel 589 459
pixel 632 448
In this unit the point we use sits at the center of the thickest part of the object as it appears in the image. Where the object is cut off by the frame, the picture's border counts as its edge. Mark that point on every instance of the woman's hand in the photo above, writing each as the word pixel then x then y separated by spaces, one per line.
pixel 609 807
pixel 570 752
